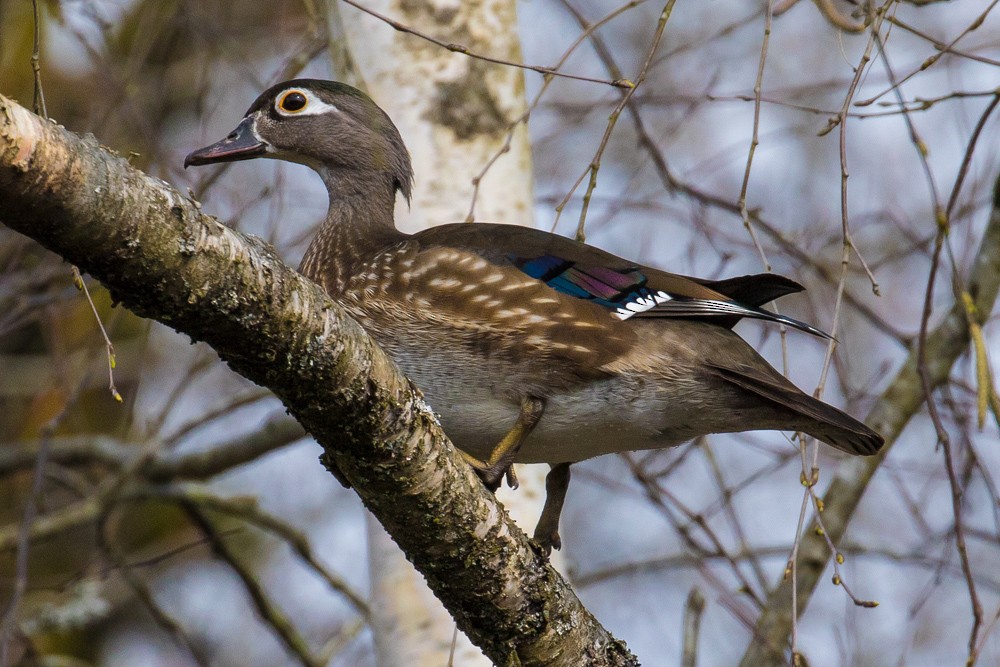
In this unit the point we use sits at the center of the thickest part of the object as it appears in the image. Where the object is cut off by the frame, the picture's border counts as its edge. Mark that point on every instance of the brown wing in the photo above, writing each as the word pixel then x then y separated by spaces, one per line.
pixel 497 242
pixel 625 288
pixel 492 305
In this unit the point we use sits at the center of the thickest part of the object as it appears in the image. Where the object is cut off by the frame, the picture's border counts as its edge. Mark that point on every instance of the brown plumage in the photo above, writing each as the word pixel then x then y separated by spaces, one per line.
pixel 558 349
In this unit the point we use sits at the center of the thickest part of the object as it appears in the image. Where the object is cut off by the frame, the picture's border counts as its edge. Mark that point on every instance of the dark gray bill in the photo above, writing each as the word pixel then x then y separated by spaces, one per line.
pixel 241 144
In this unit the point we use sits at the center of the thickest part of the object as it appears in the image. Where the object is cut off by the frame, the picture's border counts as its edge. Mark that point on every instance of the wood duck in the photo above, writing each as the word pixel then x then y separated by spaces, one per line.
pixel 531 347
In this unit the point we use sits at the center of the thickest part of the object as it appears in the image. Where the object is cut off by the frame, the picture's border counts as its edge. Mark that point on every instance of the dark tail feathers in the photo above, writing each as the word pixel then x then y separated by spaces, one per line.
pixel 823 421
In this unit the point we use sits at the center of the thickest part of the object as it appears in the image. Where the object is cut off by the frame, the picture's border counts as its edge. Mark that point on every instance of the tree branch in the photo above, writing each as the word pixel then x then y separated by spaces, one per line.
pixel 160 256
pixel 897 405
pixel 201 464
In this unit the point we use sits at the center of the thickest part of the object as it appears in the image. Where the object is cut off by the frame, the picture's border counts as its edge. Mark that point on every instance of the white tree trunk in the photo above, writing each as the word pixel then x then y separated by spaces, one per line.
pixel 454 113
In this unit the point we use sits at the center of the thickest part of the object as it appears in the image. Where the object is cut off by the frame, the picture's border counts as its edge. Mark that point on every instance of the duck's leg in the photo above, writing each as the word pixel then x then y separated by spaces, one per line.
pixel 499 465
pixel 547 529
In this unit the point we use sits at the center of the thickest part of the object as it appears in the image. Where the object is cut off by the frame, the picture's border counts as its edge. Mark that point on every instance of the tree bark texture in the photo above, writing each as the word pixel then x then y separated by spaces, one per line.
pixel 164 259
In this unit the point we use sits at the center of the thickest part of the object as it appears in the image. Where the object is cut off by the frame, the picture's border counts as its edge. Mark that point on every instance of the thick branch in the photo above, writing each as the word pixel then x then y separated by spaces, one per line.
pixel 105 450
pixel 897 405
pixel 161 257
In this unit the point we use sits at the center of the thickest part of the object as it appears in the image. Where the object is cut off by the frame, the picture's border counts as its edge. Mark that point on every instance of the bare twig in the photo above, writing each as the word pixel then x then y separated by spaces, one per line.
pixel 922 365
pixel 251 513
pixel 899 402
pixel 458 48
pixel 266 610
pixel 941 46
pixel 693 609
pixel 8 624
pixel 595 164
pixel 934 58
pixel 755 138
pixel 160 616
pixel 588 31
pixel 109 348
pixel 21 537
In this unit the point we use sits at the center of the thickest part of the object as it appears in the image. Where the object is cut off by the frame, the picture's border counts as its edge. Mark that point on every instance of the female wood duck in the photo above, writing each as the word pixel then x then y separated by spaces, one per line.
pixel 531 347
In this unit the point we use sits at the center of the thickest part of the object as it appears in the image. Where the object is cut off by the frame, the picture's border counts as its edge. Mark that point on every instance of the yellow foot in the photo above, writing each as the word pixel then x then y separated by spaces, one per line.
pixel 500 463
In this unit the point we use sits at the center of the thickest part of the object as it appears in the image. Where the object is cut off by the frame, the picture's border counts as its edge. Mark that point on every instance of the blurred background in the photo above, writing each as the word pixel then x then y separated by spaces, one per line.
pixel 261 558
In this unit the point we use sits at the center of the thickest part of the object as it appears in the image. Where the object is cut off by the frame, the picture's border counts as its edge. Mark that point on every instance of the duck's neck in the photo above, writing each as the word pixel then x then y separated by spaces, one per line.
pixel 359 223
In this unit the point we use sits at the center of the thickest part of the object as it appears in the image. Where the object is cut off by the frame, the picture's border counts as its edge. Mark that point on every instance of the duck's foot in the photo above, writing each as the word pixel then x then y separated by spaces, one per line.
pixel 547 530
pixel 500 464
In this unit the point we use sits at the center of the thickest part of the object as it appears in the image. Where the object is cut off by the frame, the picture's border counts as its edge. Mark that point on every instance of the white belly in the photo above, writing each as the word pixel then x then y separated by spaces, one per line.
pixel 479 404
pixel 574 427
pixel 656 395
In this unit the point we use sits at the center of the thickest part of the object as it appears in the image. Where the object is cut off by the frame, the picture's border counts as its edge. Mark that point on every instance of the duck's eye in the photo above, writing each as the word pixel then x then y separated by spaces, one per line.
pixel 292 101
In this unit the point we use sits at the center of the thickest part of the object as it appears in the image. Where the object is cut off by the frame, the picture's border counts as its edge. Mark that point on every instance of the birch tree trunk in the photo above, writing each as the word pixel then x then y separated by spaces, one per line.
pixel 454 113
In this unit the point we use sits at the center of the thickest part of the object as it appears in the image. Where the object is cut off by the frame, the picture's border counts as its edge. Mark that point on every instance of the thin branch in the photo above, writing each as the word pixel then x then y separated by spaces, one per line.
pixel 464 50
pixel 901 400
pixel 941 218
pixel 934 58
pixel 160 616
pixel 755 138
pixel 108 347
pixel 595 164
pixel 693 610
pixel 810 470
pixel 941 46
pixel 103 450
pixel 587 32
pixel 266 610
pixel 22 536
pixel 249 512
pixel 51 524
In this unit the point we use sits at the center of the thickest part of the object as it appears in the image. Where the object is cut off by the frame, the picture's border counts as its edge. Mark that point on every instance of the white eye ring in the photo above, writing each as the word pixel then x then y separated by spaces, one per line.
pixel 312 107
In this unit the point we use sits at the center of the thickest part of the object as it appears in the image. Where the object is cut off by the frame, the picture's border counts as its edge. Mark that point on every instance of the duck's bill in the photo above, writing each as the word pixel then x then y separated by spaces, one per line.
pixel 241 144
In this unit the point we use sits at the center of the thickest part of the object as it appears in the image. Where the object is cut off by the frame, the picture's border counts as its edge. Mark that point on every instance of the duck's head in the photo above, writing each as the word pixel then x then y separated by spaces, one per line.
pixel 331 127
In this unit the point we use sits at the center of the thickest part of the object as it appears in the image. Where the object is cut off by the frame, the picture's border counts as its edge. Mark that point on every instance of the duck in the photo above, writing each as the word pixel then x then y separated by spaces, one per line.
pixel 530 347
